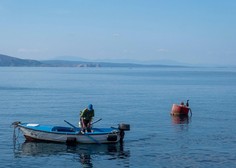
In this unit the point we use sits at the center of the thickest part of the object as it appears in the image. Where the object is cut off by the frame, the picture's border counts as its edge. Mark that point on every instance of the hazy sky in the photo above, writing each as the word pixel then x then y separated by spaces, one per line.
pixel 191 31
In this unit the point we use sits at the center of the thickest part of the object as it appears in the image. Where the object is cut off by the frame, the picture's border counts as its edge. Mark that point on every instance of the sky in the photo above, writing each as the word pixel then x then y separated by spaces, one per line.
pixel 187 31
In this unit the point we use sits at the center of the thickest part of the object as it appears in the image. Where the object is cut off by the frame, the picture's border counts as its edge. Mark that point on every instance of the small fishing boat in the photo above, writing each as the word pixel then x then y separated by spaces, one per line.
pixel 180 109
pixel 71 135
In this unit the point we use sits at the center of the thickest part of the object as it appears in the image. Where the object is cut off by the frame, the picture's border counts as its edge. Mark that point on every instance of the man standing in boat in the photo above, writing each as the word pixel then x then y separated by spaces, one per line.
pixel 86 117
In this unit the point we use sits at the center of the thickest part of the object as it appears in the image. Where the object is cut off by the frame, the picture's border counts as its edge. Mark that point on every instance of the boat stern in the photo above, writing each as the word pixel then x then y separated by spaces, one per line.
pixel 179 110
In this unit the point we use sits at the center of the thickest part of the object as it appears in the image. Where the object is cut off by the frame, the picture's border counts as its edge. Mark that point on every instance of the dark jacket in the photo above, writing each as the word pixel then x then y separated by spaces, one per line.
pixel 87 114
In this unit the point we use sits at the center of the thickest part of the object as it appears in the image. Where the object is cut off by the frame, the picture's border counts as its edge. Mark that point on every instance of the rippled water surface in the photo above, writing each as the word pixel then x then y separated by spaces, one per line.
pixel 141 97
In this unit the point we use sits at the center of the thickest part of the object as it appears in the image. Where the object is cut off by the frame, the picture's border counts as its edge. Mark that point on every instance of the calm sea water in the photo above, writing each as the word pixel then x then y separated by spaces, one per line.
pixel 141 97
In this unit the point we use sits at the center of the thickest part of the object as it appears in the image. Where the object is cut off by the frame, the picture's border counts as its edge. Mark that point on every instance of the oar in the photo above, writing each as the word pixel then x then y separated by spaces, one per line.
pixel 76 128
pixel 92 139
pixel 84 133
pixel 190 112
pixel 96 121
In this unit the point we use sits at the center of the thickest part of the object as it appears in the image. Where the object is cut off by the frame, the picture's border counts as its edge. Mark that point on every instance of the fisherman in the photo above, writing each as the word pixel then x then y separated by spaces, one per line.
pixel 86 117
pixel 187 104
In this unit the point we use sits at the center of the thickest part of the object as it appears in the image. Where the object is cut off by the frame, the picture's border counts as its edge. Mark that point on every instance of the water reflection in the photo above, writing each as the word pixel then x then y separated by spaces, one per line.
pixel 181 123
pixel 83 153
pixel 181 119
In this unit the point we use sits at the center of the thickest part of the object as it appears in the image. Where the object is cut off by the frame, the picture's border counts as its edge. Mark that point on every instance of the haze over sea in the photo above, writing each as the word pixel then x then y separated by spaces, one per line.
pixel 141 97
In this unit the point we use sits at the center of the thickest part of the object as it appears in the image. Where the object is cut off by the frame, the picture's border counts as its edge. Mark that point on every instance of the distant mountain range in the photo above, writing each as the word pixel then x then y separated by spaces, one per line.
pixel 6 61
pixel 133 61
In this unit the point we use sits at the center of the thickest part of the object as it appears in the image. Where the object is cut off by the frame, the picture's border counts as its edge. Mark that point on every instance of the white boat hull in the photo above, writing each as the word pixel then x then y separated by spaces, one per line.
pixel 62 137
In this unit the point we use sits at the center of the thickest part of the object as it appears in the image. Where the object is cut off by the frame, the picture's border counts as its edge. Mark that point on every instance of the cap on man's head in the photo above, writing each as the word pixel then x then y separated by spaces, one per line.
pixel 90 107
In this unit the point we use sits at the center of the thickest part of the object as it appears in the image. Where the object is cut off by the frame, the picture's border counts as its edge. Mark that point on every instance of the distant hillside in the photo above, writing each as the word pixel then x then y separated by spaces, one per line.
pixel 7 61
pixel 12 61
pixel 64 63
